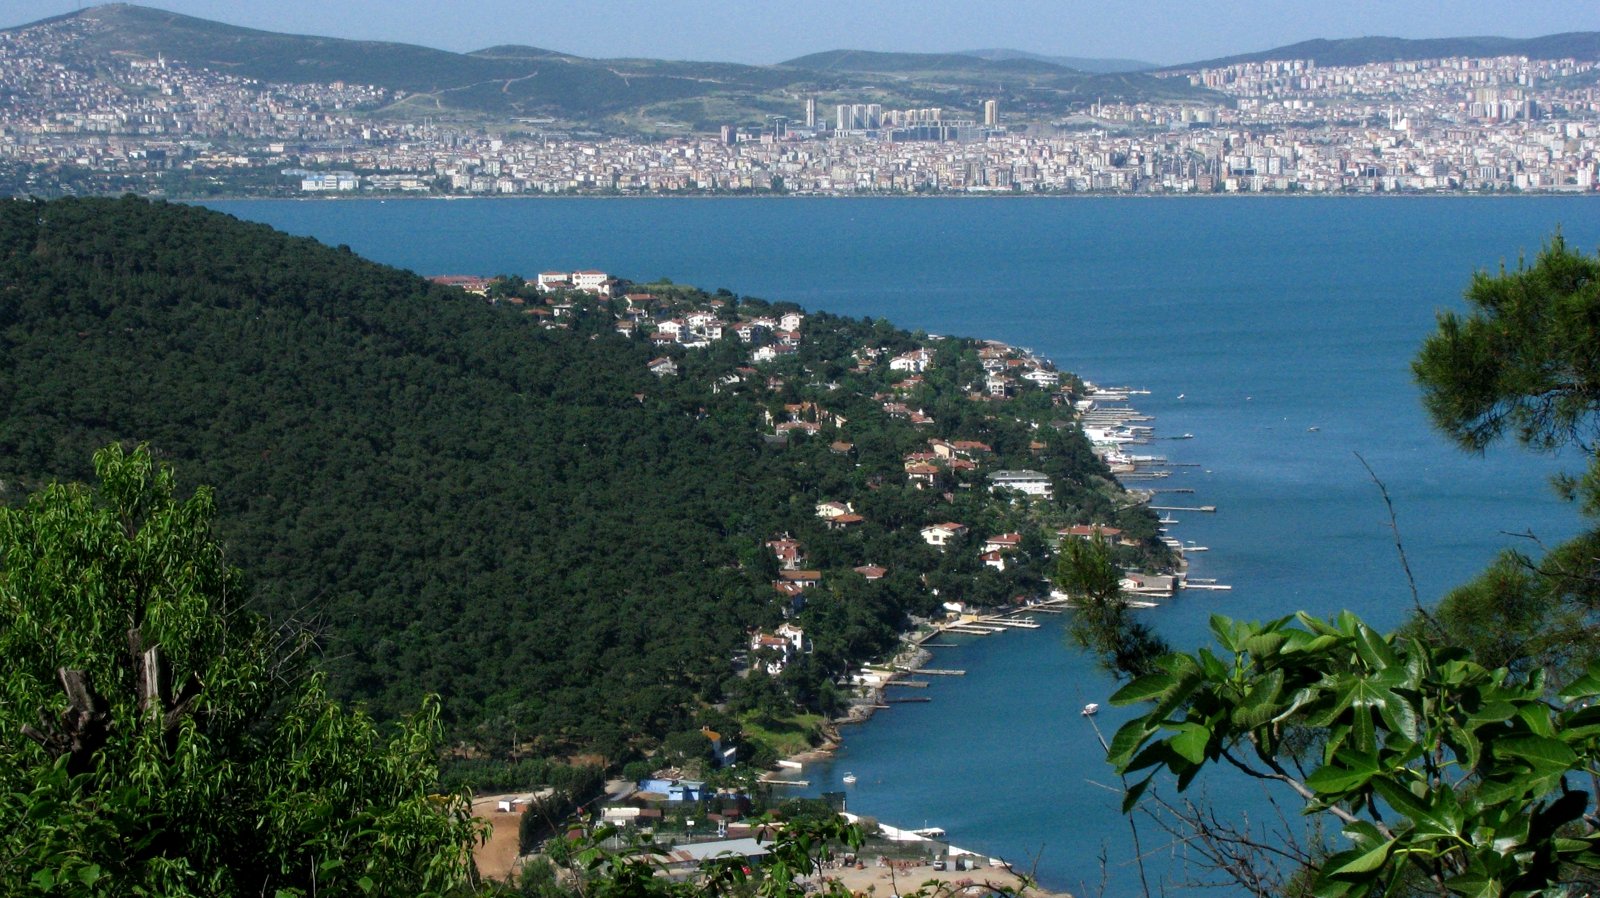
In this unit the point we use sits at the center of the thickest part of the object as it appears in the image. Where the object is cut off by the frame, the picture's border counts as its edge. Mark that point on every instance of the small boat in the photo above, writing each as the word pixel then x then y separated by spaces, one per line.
pixel 849 779
pixel 1091 709
pixel 1312 429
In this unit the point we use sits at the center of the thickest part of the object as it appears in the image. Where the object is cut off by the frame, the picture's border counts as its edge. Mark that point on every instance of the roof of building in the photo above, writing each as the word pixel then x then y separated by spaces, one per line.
pixel 705 851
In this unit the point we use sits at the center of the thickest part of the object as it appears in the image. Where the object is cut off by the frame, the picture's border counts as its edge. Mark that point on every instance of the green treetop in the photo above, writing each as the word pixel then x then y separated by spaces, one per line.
pixel 157 738
pixel 1461 756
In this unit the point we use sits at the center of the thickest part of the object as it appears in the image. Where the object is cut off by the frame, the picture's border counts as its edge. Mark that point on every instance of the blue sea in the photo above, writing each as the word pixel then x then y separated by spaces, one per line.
pixel 1277 331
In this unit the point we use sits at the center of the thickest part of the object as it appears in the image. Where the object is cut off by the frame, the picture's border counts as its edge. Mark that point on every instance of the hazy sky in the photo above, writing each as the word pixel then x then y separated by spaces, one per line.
pixel 763 31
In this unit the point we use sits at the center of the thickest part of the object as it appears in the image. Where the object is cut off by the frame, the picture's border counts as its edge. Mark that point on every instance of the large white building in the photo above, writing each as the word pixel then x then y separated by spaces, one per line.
pixel 1032 483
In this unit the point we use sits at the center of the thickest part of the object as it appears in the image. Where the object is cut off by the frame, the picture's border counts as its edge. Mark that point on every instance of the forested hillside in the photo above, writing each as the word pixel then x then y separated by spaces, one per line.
pixel 512 511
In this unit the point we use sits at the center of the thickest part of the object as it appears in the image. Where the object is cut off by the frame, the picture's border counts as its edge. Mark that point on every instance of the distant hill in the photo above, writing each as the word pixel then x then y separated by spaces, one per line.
pixel 635 96
pixel 517 51
pixel 1362 50
pixel 876 61
pixel 507 81
pixel 1081 63
pixel 1033 83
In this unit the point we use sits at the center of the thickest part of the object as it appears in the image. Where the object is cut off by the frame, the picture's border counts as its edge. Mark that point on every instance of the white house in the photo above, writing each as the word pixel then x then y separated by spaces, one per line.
pixel 940 535
pixel 915 361
pixel 591 281
pixel 1032 483
pixel 1004 542
pixel 833 509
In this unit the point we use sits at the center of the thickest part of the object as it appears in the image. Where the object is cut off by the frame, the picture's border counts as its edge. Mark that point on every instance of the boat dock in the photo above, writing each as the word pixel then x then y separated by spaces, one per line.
pixel 1025 623
pixel 1205 508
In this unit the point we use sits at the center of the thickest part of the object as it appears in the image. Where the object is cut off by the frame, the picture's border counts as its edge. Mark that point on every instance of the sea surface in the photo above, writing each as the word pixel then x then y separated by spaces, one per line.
pixel 1277 331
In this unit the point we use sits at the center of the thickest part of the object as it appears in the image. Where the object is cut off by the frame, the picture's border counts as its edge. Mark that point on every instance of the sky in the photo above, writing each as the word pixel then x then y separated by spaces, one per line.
pixel 763 31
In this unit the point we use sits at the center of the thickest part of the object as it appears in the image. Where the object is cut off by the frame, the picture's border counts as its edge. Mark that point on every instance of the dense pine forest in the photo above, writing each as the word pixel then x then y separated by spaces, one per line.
pixel 510 500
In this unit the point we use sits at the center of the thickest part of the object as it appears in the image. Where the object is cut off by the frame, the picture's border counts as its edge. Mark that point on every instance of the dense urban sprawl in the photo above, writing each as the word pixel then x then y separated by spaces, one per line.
pixel 159 125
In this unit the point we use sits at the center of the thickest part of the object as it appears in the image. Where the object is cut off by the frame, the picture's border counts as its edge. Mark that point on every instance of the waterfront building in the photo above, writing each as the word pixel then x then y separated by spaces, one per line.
pixel 1032 483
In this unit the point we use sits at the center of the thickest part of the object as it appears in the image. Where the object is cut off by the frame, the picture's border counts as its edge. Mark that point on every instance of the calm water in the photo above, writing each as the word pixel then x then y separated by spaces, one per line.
pixel 1266 316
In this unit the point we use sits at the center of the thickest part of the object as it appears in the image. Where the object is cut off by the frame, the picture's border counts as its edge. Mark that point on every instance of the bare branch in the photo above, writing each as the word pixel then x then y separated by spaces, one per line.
pixel 1399 546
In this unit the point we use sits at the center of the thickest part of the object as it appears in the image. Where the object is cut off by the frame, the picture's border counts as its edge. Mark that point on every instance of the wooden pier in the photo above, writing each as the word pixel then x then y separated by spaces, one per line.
pixel 905 700
pixel 1205 508
pixel 909 684
pixel 936 672
pixel 1023 624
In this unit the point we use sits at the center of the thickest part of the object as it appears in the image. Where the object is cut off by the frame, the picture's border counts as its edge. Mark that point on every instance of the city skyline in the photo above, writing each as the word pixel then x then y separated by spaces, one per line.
pixel 720 30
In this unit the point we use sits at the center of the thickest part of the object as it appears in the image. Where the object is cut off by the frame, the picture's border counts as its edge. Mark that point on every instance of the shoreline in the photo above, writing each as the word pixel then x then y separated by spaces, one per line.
pixel 911 657
pixel 1284 195
pixel 913 654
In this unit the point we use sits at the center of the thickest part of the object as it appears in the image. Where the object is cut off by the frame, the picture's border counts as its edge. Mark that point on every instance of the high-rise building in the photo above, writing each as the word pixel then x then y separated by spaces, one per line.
pixel 991 113
pixel 811 112
pixel 842 118
pixel 874 116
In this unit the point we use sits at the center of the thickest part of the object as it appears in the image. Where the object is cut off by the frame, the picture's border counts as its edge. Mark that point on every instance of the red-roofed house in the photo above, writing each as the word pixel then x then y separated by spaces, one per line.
pixel 940 535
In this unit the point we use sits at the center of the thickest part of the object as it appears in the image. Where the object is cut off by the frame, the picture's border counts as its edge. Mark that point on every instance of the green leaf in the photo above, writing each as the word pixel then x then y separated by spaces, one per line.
pixel 1347 863
pixel 1349 770
pixel 1144 688
pixel 1401 717
pixel 1131 797
pixel 1373 648
pixel 1544 754
pixel 1186 682
pixel 1190 742
pixel 1586 686
pixel 1129 737
pixel 1474 884
pixel 1400 798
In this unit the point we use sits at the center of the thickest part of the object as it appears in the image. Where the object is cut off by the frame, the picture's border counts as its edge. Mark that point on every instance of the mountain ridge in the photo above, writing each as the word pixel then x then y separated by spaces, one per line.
pixel 1093 64
pixel 1378 48
pixel 655 97
pixel 641 96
